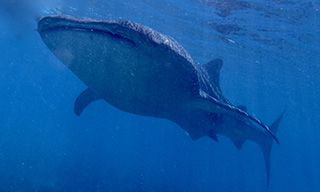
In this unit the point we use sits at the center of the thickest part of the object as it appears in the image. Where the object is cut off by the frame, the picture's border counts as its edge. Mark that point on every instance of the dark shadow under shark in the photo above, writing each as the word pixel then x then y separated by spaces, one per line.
pixel 141 71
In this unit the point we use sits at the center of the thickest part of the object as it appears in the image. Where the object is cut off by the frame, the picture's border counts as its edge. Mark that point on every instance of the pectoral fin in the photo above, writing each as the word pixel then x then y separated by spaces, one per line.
pixel 83 100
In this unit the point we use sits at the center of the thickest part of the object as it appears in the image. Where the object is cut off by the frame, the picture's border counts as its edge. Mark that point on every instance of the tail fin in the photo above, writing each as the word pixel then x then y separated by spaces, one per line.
pixel 266 144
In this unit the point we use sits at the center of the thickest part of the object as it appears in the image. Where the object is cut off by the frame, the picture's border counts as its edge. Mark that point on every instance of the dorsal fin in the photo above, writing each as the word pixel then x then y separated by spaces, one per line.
pixel 83 100
pixel 243 108
pixel 213 68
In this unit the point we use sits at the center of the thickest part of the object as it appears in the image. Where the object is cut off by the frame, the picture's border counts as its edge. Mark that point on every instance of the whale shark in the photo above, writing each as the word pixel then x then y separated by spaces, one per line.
pixel 142 71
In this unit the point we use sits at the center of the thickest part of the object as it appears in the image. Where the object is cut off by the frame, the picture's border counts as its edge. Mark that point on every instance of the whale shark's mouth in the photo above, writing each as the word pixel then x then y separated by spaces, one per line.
pixel 92 30
pixel 52 25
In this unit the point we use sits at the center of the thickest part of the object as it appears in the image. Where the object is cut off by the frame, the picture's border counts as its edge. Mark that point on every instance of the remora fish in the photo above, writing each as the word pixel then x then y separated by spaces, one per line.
pixel 139 70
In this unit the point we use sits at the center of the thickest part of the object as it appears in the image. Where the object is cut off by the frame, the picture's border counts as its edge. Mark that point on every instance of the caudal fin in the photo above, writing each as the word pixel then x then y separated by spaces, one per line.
pixel 266 144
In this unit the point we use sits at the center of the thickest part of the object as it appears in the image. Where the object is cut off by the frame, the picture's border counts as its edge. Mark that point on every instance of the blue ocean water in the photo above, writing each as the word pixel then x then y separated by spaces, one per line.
pixel 271 59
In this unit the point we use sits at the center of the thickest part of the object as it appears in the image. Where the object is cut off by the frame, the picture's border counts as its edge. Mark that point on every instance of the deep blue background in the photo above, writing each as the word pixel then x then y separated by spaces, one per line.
pixel 271 58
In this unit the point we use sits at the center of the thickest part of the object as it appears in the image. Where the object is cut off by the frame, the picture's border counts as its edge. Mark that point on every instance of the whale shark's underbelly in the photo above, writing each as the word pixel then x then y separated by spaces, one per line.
pixel 137 78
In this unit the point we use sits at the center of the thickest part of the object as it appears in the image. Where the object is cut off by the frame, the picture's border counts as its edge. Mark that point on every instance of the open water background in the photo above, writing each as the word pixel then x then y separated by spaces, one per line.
pixel 271 56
